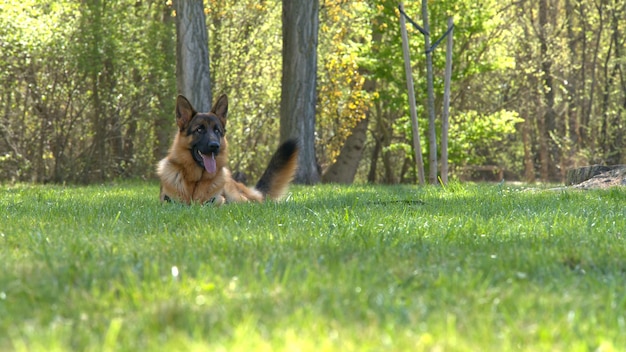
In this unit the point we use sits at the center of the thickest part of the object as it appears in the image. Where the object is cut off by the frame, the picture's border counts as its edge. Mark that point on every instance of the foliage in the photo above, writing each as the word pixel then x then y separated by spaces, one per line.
pixel 72 106
pixel 568 66
pixel 245 53
pixel 464 267
pixel 342 98
pixel 87 88
pixel 385 63
pixel 477 139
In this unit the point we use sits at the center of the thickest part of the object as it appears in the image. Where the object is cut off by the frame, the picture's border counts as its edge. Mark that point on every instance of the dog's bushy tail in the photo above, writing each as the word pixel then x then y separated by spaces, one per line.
pixel 280 171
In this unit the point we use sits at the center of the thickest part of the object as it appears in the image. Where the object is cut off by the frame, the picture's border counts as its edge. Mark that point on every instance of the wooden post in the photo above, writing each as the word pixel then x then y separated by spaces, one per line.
pixel 445 125
pixel 432 133
pixel 417 147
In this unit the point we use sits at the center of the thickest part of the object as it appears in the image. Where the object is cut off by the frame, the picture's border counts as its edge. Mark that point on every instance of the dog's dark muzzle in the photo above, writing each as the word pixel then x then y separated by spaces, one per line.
pixel 213 147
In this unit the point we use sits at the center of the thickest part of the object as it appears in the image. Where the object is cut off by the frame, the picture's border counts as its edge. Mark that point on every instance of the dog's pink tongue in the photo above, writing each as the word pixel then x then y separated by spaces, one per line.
pixel 209 163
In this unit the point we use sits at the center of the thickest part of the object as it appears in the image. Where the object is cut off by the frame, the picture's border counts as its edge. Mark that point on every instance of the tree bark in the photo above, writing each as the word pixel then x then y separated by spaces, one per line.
pixel 371 176
pixel 193 77
pixel 445 124
pixel 589 133
pixel 572 84
pixel 529 166
pixel 547 122
pixel 298 96
pixel 345 167
pixel 388 164
pixel 417 147
pixel 610 141
pixel 432 133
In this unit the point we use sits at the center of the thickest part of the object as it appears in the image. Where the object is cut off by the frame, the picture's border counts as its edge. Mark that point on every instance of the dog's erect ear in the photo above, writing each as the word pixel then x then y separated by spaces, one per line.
pixel 221 108
pixel 184 112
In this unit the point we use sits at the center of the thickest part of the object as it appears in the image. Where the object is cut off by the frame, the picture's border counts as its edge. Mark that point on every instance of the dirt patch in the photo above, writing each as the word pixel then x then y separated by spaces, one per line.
pixel 611 178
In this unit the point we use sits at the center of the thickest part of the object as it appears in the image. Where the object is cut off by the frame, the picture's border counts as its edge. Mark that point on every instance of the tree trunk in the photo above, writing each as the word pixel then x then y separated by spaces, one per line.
pixel 99 137
pixel 371 176
pixel 432 133
pixel 390 177
pixel 529 166
pixel 345 167
pixel 609 139
pixel 572 83
pixel 297 103
pixel 445 124
pixel 114 136
pixel 590 132
pixel 547 121
pixel 544 149
pixel 582 94
pixel 193 78
pixel 41 112
pixel 129 148
pixel 618 121
pixel 417 147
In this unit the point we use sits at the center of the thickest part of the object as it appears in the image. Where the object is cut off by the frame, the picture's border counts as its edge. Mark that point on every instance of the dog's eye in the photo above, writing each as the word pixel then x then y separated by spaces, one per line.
pixel 217 131
pixel 200 129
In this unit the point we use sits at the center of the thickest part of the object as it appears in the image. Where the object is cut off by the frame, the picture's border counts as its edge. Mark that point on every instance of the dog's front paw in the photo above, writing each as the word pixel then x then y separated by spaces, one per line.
pixel 216 201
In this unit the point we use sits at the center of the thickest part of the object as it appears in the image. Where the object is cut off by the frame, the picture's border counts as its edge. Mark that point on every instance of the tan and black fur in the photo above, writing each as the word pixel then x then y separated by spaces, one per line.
pixel 196 167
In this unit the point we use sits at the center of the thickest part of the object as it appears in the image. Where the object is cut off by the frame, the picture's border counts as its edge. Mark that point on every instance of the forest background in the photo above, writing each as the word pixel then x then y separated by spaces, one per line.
pixel 87 88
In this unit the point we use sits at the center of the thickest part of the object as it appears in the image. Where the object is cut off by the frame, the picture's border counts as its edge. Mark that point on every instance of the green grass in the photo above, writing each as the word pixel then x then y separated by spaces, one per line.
pixel 472 268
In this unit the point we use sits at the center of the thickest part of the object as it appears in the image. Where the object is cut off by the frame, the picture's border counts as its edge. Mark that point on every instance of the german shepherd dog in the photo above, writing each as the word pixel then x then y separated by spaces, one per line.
pixel 195 169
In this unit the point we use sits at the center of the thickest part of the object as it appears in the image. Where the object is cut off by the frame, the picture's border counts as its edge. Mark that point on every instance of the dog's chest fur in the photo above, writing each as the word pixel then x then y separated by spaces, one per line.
pixel 192 183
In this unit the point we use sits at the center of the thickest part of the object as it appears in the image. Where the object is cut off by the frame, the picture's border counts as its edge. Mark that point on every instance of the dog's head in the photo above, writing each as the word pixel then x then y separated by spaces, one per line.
pixel 204 132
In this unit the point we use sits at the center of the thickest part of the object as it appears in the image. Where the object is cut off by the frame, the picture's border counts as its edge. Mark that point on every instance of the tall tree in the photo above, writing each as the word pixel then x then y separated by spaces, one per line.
pixel 547 121
pixel 192 53
pixel 298 97
pixel 432 134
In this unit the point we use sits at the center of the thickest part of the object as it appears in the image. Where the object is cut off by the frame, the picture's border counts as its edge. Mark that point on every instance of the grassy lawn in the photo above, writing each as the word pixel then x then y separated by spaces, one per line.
pixel 465 268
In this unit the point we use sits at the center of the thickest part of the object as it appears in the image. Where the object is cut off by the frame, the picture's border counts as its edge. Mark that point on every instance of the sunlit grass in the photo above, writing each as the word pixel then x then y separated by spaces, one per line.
pixel 333 268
